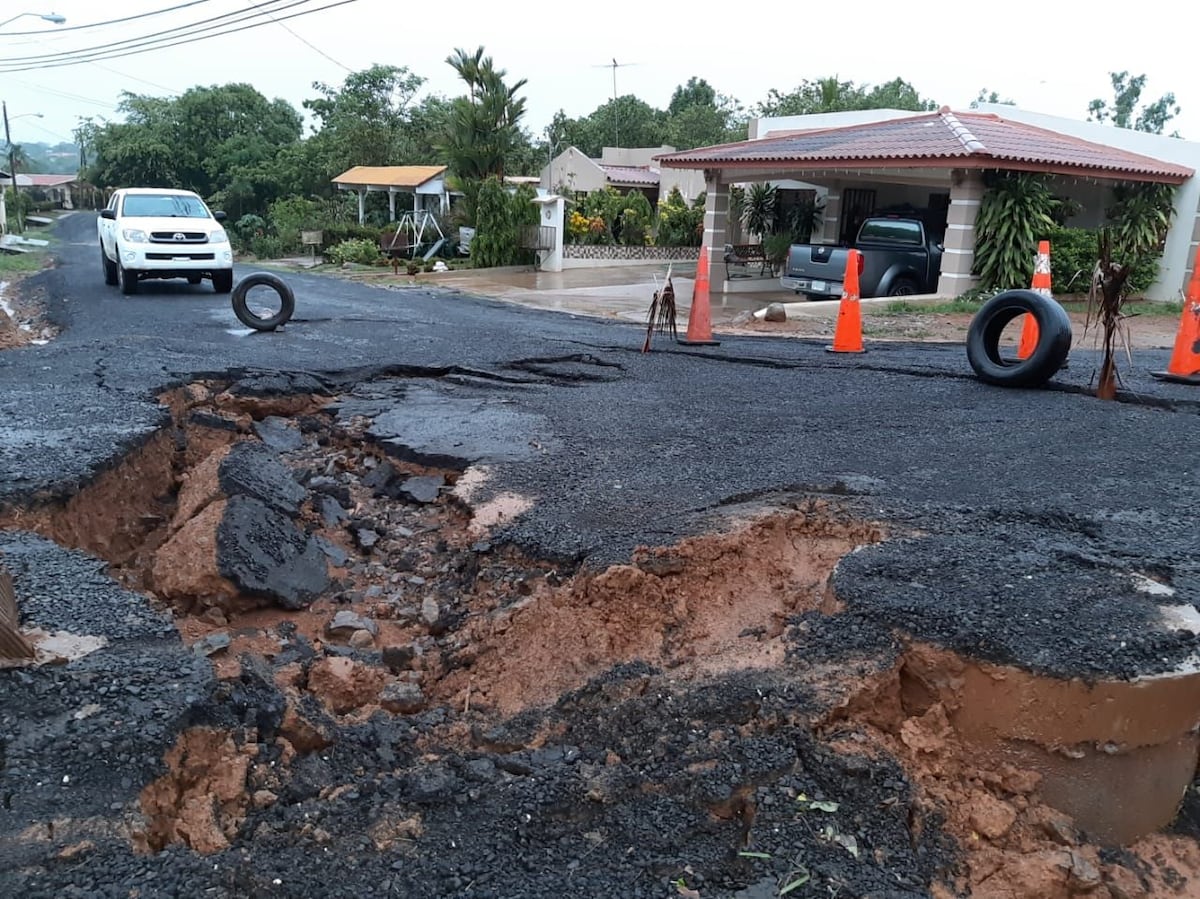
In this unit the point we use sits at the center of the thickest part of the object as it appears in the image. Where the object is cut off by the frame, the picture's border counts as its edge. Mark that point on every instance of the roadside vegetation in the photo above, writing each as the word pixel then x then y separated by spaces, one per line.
pixel 251 156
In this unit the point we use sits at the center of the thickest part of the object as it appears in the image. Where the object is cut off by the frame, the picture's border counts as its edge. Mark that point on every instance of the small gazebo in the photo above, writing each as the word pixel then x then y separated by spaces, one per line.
pixel 427 184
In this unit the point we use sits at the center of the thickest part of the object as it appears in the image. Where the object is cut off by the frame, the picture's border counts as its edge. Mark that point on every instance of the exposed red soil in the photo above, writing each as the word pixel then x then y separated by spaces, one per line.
pixel 490 633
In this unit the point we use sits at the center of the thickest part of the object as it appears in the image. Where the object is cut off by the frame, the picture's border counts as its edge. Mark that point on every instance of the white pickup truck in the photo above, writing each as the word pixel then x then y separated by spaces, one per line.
pixel 161 233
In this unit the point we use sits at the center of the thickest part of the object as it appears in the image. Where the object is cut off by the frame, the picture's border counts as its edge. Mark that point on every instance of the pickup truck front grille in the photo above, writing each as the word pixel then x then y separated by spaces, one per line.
pixel 178 237
pixel 193 256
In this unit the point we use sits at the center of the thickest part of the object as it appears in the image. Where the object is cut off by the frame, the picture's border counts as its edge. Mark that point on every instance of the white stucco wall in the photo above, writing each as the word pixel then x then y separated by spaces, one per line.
pixel 1181 241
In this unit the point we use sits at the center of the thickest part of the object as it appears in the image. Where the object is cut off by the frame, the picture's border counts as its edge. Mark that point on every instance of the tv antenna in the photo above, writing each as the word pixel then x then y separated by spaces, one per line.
pixel 614 65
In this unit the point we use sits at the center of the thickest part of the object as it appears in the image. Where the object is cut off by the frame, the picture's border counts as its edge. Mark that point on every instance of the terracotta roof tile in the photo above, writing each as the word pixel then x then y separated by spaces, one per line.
pixel 961 140
pixel 629 174
pixel 36 180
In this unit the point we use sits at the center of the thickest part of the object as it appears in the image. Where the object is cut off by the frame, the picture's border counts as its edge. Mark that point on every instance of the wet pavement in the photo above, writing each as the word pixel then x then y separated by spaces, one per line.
pixel 622 292
pixel 1028 509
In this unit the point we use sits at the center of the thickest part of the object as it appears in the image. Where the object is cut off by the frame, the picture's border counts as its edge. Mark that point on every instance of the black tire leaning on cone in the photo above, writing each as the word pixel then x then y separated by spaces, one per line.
pixel 287 301
pixel 1053 344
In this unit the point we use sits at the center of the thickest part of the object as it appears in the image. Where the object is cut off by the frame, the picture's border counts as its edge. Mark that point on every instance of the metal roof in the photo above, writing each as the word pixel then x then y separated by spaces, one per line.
pixel 402 176
pixel 944 139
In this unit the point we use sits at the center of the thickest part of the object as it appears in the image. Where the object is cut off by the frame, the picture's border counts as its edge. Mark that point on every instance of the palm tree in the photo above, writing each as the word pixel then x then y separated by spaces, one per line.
pixel 758 210
pixel 485 124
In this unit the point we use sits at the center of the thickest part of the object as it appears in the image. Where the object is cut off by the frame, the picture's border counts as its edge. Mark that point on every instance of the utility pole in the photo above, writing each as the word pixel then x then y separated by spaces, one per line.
pixel 12 172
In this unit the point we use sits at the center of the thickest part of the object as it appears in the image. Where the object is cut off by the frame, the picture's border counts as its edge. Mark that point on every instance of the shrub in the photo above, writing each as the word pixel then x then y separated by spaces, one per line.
pixel 679 225
pixel 500 218
pixel 290 216
pixel 363 252
pixel 266 246
pixel 636 217
pixel 1073 256
pixel 413 266
pixel 1014 215
pixel 331 235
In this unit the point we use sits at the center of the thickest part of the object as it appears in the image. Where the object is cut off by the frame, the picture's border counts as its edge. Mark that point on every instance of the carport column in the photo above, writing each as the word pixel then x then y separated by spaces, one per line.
pixel 716 226
pixel 958 257
pixel 362 206
pixel 831 218
pixel 391 204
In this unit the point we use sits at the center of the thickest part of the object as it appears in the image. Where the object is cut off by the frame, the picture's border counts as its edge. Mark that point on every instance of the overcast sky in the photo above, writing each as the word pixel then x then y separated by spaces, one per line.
pixel 947 50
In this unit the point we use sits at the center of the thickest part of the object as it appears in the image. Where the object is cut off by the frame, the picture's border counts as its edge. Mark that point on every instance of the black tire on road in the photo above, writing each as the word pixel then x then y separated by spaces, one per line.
pixel 129 280
pixel 222 280
pixel 904 287
pixel 110 268
pixel 194 279
pixel 1053 344
pixel 287 301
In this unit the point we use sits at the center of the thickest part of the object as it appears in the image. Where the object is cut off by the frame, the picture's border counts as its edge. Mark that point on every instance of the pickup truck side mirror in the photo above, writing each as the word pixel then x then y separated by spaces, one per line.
pixel 110 214
pixel 219 216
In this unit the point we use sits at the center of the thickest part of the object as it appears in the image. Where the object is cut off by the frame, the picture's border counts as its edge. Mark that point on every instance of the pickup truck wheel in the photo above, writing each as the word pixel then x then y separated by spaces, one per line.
pixel 1053 345
pixel 194 279
pixel 262 321
pixel 129 282
pixel 904 287
pixel 223 281
pixel 110 268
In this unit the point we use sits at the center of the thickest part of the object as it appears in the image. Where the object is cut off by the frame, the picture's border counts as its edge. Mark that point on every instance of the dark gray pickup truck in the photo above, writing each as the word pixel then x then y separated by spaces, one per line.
pixel 900 258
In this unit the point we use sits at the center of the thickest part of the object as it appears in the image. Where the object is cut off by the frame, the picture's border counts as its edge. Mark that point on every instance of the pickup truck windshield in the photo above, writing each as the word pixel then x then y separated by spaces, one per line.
pixel 897 231
pixel 164 206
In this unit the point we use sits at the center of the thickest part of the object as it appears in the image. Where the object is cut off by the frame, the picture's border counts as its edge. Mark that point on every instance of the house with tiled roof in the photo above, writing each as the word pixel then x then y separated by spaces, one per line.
pixel 864 161
pixel 573 173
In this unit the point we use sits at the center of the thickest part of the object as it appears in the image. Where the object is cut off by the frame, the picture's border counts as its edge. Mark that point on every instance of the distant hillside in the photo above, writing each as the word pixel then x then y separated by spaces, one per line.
pixel 47 159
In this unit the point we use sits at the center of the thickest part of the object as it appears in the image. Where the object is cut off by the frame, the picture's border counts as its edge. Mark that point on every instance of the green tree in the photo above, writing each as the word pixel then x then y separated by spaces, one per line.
pixel 698 116
pixel 697 92
pixel 222 142
pixel 366 120
pixel 1124 112
pixel 832 95
pixel 758 213
pixel 484 126
pixel 986 96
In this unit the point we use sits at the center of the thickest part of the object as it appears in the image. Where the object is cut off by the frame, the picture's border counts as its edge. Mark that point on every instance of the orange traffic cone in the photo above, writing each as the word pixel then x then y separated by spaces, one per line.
pixel 1184 366
pixel 1041 284
pixel 847 337
pixel 699 332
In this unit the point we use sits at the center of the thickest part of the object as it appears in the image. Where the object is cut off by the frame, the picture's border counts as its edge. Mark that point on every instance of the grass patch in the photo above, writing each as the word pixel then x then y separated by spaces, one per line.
pixel 969 307
pixel 11 264
pixel 903 307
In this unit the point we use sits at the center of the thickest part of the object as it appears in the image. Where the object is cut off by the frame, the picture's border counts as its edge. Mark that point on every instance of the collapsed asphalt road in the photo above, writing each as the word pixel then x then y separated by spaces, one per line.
pixel 1025 527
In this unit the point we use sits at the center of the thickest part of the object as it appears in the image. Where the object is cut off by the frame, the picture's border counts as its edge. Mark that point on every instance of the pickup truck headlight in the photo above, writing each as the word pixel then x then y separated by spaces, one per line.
pixel 134 235
pixel 218 236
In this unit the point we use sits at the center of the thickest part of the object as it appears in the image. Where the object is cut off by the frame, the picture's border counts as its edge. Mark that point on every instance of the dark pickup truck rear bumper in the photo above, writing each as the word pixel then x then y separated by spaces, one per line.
pixel 813 287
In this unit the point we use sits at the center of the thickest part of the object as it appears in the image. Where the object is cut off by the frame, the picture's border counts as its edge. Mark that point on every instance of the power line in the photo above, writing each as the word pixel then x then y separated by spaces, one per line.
pixel 211 23
pixel 311 46
pixel 169 90
pixel 67 95
pixel 117 53
pixel 145 15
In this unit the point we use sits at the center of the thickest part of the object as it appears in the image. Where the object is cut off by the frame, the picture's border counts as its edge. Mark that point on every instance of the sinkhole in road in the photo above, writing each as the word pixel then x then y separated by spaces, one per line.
pixel 292 549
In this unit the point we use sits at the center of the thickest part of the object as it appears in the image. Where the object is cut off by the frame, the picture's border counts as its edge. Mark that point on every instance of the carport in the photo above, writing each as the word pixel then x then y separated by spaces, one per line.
pixel 427 184
pixel 926 160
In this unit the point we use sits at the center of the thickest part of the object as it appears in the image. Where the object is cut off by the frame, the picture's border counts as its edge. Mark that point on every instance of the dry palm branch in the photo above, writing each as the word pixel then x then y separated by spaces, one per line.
pixel 12 644
pixel 1105 299
pixel 662 313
